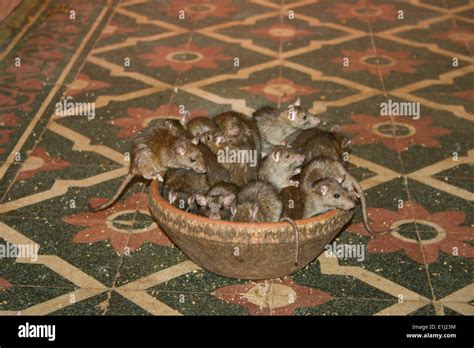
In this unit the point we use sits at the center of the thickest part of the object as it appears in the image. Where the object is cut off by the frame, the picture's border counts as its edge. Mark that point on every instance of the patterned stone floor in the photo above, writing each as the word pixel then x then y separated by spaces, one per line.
pixel 138 60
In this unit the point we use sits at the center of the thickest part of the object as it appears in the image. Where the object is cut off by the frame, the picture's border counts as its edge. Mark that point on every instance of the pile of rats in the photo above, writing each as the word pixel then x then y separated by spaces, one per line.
pixel 203 166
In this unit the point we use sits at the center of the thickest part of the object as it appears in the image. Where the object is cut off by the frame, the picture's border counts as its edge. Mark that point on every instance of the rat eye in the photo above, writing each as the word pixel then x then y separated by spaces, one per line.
pixel 209 138
pixel 304 117
pixel 193 159
pixel 287 156
pixel 336 195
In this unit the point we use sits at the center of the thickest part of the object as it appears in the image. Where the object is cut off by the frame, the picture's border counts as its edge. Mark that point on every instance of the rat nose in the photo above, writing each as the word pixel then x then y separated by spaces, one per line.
pixel 350 205
pixel 301 158
pixel 316 121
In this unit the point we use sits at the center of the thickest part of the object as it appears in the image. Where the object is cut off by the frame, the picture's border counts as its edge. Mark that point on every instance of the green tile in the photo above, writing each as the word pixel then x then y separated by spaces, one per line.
pixel 197 303
pixel 347 306
pixel 101 304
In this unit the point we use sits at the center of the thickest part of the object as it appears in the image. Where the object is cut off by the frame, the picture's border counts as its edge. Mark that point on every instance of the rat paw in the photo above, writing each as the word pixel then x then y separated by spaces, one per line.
pixel 354 195
pixel 295 183
pixel 157 176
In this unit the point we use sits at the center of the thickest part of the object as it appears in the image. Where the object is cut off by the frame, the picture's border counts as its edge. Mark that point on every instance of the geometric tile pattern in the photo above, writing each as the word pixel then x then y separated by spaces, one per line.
pixel 139 61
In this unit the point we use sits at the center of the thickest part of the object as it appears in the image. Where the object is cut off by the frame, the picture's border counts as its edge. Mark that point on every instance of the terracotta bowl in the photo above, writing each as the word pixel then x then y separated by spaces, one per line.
pixel 246 250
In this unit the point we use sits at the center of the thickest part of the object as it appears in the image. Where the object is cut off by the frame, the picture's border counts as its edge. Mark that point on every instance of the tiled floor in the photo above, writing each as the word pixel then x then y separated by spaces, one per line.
pixel 418 173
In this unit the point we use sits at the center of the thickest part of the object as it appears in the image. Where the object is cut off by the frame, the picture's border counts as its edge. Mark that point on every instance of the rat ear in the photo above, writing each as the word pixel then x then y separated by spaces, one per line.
pixel 228 200
pixel 195 140
pixel 172 196
pixel 297 102
pixel 180 150
pixel 220 139
pixel 184 118
pixel 291 114
pixel 201 200
pixel 233 210
pixel 346 142
pixel 341 179
pixel 277 155
pixel 169 124
pixel 323 189
pixel 191 199
pixel 336 128
pixel 253 211
pixel 206 137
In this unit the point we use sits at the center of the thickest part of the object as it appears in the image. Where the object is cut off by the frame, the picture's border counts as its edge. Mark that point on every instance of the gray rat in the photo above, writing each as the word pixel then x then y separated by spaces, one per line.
pixel 259 201
pixel 327 167
pixel 276 125
pixel 279 166
pixel 217 203
pixel 321 195
pixel 155 150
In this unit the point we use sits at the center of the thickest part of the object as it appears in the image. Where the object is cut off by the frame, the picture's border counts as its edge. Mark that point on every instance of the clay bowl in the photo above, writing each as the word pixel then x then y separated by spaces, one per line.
pixel 246 250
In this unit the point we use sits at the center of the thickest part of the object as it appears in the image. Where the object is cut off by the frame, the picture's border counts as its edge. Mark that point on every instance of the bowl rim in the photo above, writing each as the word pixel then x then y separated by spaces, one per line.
pixel 158 199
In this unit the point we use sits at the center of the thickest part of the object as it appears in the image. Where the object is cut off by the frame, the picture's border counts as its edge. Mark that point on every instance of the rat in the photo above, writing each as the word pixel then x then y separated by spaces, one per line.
pixel 173 125
pixel 259 201
pixel 183 201
pixel 322 195
pixel 216 172
pixel 327 167
pixel 279 166
pixel 198 125
pixel 181 185
pixel 239 129
pixel 292 203
pixel 240 160
pixel 155 150
pixel 276 125
pixel 315 142
pixel 217 203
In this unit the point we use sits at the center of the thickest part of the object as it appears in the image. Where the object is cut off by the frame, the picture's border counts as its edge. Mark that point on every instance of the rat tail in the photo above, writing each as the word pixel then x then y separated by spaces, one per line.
pixel 363 206
pixel 297 236
pixel 117 194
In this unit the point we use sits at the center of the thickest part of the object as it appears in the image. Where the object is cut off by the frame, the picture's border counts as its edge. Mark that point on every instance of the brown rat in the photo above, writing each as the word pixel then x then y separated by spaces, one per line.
pixel 240 160
pixel 259 201
pixel 155 150
pixel 292 203
pixel 181 185
pixel 239 129
pixel 277 125
pixel 315 142
pixel 279 166
pixel 198 125
pixel 321 195
pixel 216 172
pixel 327 167
pixel 173 125
pixel 217 203
pixel 182 200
